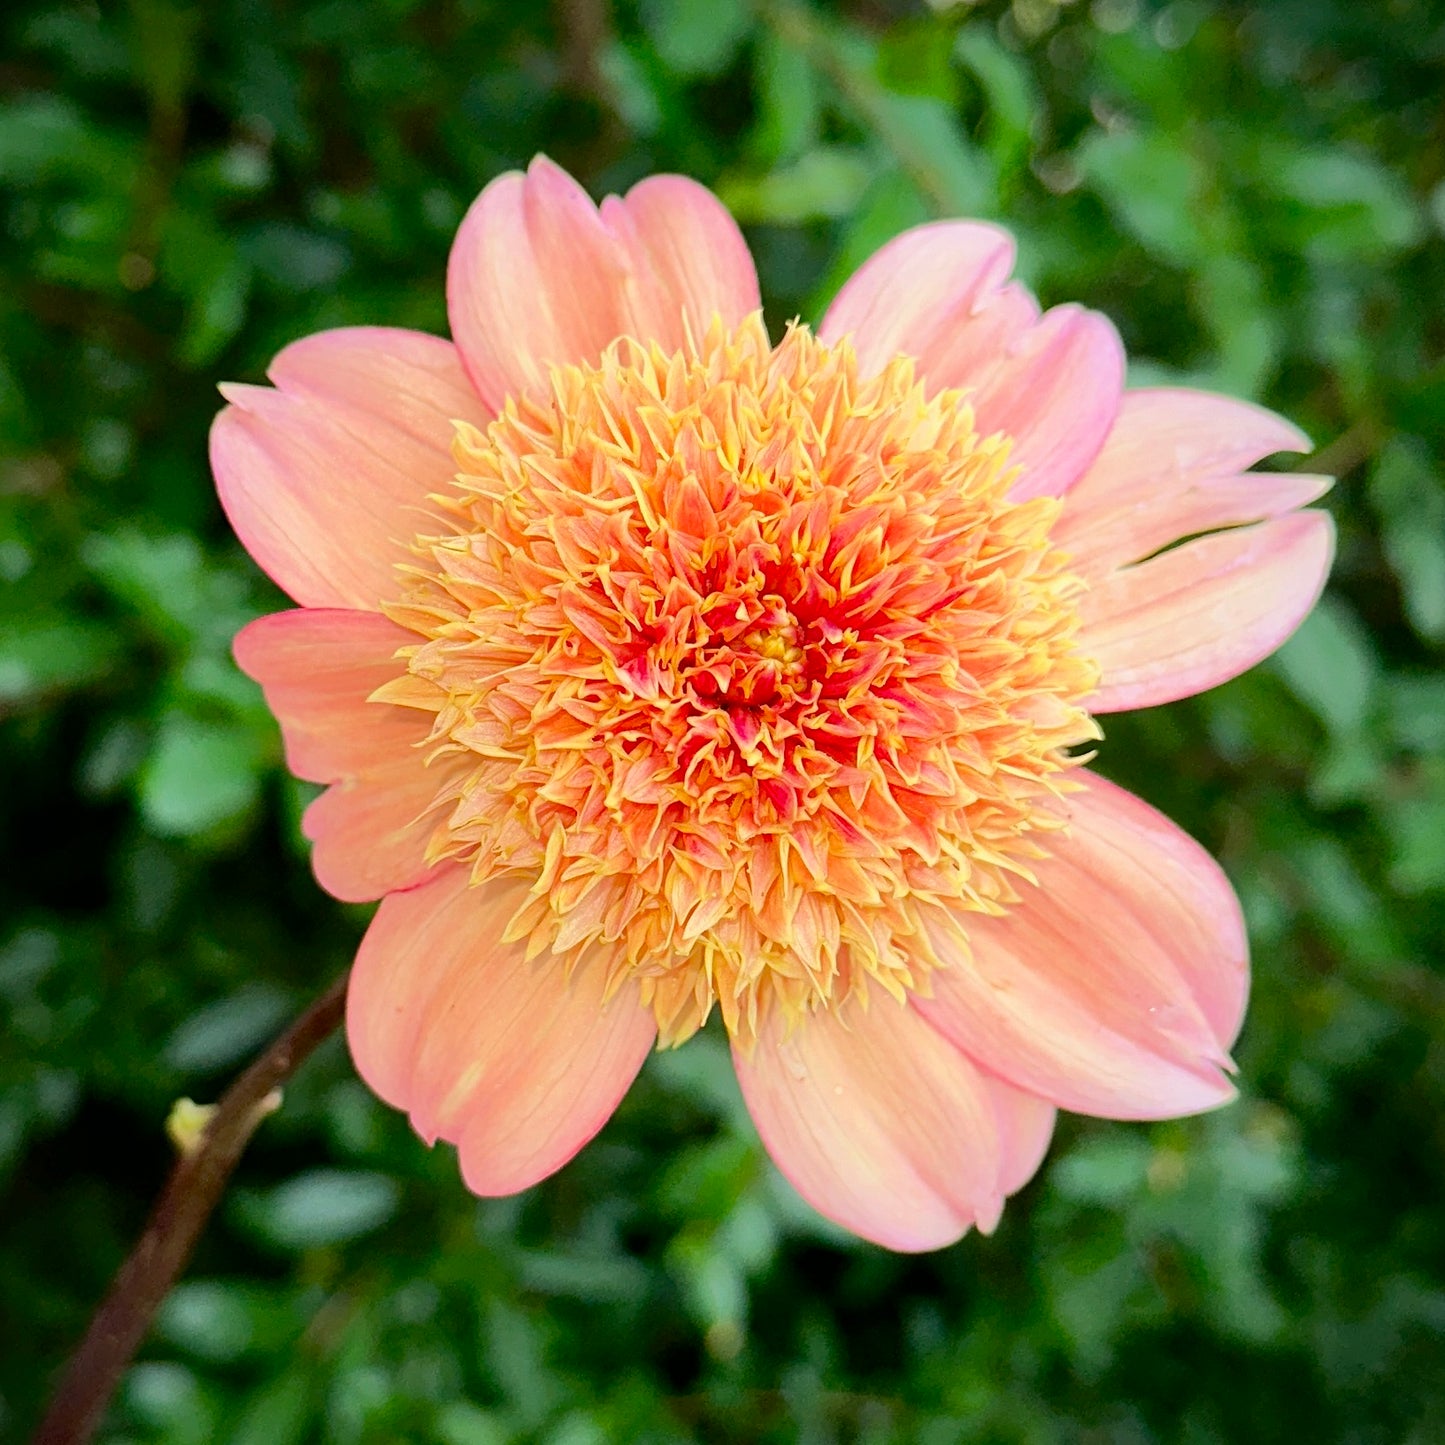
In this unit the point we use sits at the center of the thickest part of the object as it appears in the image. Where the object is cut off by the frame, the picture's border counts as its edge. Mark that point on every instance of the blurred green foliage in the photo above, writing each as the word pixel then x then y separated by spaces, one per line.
pixel 1254 191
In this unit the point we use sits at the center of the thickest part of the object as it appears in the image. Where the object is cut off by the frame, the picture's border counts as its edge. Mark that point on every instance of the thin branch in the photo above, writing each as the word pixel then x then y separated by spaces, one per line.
pixel 197 1182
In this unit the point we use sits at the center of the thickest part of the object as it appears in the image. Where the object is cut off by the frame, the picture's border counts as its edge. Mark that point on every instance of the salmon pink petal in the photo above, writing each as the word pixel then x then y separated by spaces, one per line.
pixel 884 1127
pixel 513 1061
pixel 325 478
pixel 369 833
pixel 1115 986
pixel 918 289
pixel 1175 465
pixel 1191 618
pixel 937 293
pixel 539 276
pixel 1026 1126
pixel 317 668
pixel 1055 391
pixel 681 234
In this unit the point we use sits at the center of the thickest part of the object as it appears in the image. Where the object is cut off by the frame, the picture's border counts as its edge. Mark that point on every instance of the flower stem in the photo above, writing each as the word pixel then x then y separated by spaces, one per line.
pixel 197 1182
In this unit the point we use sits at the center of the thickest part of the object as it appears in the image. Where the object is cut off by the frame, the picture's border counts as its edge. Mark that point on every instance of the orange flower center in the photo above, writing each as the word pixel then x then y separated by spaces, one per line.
pixel 741 656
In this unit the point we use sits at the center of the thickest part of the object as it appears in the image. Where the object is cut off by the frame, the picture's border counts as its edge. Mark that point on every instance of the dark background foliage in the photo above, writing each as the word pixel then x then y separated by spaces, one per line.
pixel 1254 191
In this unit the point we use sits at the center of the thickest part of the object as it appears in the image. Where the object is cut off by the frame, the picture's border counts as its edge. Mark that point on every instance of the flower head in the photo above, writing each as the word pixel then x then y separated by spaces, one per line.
pixel 657 669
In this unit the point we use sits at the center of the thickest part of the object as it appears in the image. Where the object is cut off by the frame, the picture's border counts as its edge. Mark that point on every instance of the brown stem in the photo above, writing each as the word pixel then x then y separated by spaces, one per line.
pixel 191 1193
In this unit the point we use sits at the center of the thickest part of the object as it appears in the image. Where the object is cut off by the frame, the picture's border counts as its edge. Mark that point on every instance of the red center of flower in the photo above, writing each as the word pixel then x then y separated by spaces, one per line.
pixel 744 655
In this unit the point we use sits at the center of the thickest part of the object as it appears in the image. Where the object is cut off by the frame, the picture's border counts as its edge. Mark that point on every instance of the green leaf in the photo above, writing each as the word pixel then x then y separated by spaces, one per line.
pixel 914 59
pixel 1013 104
pixel 280 1411
pixel 630 88
pixel 1356 208
pixel 696 37
pixel 1152 183
pixel 172 1401
pixel 209 1319
pixel 227 1031
pixel 45 138
pixel 1417 842
pixel 827 182
pixel 1407 493
pixel 322 1207
pixel 1330 666
pixel 460 1423
pixel 198 777
pixel 1106 1170
pixel 789 100
pixel 42 656
pixel 188 599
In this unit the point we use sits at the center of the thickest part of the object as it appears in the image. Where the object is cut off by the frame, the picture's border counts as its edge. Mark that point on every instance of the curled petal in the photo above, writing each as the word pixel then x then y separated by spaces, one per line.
pixel 1194 617
pixel 1115 986
pixel 516 1063
pixel 1051 382
pixel 318 667
pixel 325 478
pixel 539 276
pixel 885 1128
pixel 1174 466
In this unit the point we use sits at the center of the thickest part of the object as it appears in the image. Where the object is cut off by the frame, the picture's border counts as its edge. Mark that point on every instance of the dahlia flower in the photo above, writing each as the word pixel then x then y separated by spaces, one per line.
pixel 656 669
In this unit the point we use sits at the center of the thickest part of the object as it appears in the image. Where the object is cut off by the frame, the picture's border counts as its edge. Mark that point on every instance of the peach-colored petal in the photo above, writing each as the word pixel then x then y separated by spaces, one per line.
pixel 679 232
pixel 885 1128
pixel 1175 466
pixel 1114 986
pixel 918 289
pixel 369 833
pixel 937 293
pixel 325 478
pixel 317 667
pixel 1026 1125
pixel 539 276
pixel 513 1062
pixel 1196 616
pixel 1056 391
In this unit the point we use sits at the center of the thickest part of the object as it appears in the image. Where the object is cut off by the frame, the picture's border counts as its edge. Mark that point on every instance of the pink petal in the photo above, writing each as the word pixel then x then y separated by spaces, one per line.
pixel 1202 613
pixel 1175 466
pixel 369 834
pixel 539 276
pixel 1025 1129
pixel 887 1129
pixel 512 1061
pixel 937 293
pixel 1056 391
pixel 317 668
pixel 919 289
pixel 325 479
pixel 1115 986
